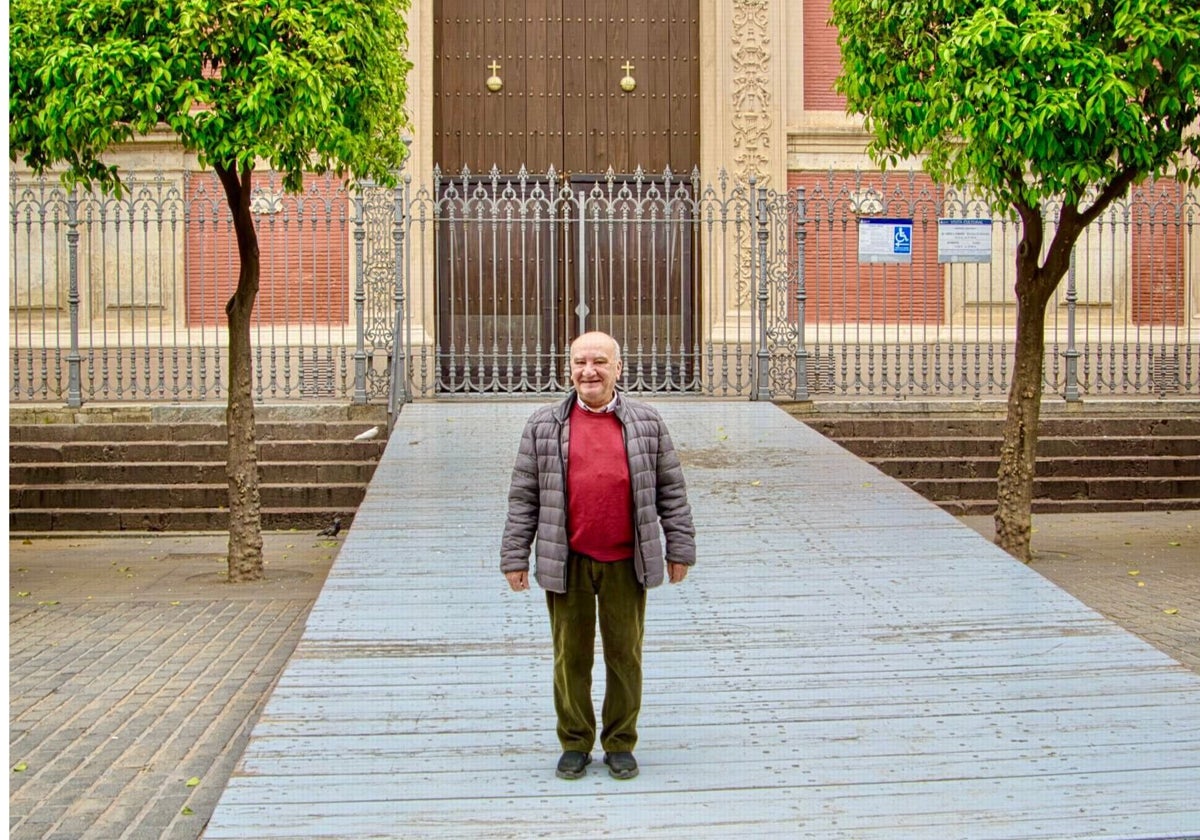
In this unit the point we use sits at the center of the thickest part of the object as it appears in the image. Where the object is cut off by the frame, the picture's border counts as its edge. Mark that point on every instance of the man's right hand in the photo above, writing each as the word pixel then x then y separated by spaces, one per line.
pixel 517 581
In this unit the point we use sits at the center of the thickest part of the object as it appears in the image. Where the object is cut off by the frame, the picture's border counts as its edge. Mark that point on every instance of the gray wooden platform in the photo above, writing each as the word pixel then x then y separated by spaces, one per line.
pixel 846 661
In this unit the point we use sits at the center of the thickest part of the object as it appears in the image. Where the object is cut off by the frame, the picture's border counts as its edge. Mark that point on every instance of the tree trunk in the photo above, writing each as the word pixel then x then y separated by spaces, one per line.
pixel 1035 287
pixel 1014 490
pixel 241 466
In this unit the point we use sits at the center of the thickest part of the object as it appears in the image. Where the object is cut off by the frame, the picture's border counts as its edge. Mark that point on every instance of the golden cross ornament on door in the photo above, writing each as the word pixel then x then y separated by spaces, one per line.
pixel 627 81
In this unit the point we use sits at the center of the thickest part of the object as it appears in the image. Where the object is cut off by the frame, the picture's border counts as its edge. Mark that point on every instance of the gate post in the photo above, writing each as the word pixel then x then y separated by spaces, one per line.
pixel 801 391
pixel 74 385
pixel 360 297
pixel 762 378
pixel 1071 389
pixel 581 309
pixel 398 392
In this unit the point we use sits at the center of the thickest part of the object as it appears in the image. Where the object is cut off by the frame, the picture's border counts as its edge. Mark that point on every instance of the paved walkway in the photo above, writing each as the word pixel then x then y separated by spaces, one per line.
pixel 847 662
pixel 1141 570
pixel 133 669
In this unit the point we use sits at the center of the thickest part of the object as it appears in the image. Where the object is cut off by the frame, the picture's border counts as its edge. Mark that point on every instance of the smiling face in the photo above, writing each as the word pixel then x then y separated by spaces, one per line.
pixel 595 368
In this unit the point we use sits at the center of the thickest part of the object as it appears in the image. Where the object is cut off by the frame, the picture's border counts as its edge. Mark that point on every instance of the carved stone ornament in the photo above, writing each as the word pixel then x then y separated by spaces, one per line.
pixel 751 92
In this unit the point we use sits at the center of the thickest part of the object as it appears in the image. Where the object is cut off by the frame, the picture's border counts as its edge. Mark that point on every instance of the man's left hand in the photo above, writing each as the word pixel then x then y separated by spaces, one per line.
pixel 676 572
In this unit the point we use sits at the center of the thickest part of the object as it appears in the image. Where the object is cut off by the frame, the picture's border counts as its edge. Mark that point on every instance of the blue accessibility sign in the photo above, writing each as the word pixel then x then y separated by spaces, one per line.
pixel 885 240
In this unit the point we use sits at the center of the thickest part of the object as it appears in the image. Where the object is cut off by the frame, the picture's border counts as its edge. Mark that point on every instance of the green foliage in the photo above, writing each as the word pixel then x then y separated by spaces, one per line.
pixel 302 85
pixel 1026 99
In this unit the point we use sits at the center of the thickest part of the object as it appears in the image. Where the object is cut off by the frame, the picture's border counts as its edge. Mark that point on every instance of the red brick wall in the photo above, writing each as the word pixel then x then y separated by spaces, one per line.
pixel 822 59
pixel 1158 287
pixel 839 289
pixel 304 246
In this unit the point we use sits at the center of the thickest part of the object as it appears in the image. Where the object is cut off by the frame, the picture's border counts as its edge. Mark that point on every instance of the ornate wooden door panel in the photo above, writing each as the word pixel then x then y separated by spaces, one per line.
pixel 634 275
pixel 656 124
pixel 514 46
pixel 559 101
pixel 500 324
pixel 583 87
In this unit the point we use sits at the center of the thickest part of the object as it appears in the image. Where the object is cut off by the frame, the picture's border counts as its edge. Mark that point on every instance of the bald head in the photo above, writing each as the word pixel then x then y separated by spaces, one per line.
pixel 595 336
pixel 595 368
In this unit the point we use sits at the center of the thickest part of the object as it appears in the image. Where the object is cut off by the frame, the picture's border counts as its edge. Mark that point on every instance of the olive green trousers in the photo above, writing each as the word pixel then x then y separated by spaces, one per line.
pixel 611 591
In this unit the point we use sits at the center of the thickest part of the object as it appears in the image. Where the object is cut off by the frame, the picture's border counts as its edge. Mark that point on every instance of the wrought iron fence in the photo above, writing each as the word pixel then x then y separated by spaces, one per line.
pixel 475 284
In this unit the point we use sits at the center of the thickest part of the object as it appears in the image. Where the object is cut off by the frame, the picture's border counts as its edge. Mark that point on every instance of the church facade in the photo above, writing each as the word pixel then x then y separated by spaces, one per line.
pixel 681 173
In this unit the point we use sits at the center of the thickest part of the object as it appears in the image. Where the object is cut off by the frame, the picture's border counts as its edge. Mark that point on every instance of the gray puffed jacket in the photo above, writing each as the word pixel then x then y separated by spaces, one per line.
pixel 537 498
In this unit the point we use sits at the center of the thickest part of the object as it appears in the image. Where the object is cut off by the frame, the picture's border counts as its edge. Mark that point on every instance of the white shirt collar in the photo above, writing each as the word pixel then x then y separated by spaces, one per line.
pixel 608 409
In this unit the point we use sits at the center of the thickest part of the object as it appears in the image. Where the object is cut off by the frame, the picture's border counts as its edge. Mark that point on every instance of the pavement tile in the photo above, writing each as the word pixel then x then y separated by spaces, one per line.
pixel 150 669
pixel 134 682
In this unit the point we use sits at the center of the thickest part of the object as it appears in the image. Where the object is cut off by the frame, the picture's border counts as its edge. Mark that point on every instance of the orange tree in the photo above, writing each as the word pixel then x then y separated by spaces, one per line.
pixel 295 85
pixel 1034 103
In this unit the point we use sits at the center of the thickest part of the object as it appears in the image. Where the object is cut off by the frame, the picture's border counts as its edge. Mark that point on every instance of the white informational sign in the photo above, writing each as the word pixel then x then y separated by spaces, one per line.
pixel 885 240
pixel 964 240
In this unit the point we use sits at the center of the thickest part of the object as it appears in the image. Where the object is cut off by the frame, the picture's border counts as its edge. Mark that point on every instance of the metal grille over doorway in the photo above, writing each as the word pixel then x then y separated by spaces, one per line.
pixel 525 263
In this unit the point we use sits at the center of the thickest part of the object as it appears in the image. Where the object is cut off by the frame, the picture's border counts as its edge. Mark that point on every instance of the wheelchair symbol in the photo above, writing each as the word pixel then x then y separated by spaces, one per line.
pixel 902 239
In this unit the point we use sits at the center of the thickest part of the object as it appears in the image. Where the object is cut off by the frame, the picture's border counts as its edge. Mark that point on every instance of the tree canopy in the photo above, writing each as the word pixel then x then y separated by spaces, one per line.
pixel 1033 104
pixel 1026 99
pixel 302 85
pixel 297 85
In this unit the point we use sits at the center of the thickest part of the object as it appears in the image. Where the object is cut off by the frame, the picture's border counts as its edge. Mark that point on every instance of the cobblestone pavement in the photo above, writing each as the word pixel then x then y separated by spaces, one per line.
pixel 1141 570
pixel 136 674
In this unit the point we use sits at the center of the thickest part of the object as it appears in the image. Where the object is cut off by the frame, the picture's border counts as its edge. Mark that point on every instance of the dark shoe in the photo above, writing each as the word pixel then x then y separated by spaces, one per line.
pixel 573 765
pixel 621 765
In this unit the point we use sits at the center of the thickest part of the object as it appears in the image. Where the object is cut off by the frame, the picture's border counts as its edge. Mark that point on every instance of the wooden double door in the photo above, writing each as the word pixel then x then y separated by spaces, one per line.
pixel 544 111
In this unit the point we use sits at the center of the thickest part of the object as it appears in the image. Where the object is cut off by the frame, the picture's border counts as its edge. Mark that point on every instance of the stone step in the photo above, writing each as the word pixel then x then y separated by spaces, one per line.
pixel 987 507
pixel 188 472
pixel 170 519
pixel 910 426
pixel 967 447
pixel 1085 463
pixel 192 451
pixel 910 468
pixel 164 413
pixel 151 497
pixel 159 467
pixel 270 430
pixel 1106 488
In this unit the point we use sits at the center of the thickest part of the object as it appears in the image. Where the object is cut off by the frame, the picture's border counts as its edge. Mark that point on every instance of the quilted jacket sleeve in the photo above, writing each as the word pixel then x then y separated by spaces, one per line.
pixel 674 511
pixel 523 503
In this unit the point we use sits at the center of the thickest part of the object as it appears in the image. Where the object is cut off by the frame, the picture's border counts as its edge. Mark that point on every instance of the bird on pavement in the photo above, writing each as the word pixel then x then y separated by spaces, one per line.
pixel 332 530
pixel 369 434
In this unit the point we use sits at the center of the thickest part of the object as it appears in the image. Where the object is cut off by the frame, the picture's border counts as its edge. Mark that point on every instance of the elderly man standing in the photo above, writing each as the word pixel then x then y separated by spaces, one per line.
pixel 596 477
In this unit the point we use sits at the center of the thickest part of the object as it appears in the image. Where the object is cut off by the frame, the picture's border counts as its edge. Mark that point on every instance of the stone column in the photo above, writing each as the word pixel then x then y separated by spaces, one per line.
pixel 743 48
pixel 422 296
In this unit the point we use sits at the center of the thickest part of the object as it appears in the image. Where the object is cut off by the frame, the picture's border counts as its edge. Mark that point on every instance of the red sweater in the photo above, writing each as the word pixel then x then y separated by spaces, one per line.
pixel 599 495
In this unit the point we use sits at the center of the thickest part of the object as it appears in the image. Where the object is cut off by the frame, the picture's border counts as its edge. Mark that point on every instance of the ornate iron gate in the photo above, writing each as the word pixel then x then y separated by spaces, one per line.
pixel 717 288
pixel 524 264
